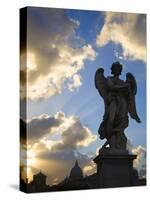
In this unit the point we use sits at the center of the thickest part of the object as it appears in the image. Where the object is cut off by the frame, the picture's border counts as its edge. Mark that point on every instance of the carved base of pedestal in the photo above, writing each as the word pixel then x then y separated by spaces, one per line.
pixel 115 168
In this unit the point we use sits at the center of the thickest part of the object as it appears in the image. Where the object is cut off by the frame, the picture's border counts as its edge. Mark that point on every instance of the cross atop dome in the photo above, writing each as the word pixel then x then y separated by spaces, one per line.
pixel 76 163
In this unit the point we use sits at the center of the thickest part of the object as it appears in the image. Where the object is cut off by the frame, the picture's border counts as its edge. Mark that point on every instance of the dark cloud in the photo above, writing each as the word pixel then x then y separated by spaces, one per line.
pixel 23 77
pixel 39 126
pixel 23 131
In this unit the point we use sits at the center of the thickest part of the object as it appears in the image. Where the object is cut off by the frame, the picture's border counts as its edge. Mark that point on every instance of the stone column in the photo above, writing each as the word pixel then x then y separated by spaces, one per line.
pixel 115 168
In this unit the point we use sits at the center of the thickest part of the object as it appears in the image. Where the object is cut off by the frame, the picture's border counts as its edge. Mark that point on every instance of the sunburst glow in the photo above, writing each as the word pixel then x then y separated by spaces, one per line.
pixel 31 160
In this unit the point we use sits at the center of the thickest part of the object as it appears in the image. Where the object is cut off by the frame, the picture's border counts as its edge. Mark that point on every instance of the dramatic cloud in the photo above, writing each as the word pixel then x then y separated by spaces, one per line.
pixel 68 130
pixel 55 54
pixel 127 30
pixel 90 168
pixel 42 125
pixel 54 144
pixel 75 136
pixel 140 161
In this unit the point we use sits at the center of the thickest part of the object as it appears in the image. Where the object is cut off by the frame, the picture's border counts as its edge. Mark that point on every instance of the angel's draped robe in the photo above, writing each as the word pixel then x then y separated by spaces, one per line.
pixel 116 110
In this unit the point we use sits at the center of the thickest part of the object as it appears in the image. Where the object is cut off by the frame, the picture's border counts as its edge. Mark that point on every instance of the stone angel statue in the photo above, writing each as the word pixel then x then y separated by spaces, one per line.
pixel 119 101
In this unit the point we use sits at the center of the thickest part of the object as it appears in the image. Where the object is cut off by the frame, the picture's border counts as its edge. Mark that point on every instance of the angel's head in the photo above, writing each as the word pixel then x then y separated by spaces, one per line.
pixel 116 68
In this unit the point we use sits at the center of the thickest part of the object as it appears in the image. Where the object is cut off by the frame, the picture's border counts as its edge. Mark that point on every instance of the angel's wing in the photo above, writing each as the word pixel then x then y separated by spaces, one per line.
pixel 130 79
pixel 132 87
pixel 101 82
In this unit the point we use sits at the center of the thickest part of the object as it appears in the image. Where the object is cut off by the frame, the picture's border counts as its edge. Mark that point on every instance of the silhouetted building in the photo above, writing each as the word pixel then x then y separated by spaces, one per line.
pixel 38 184
pixel 76 172
pixel 39 179
pixel 75 181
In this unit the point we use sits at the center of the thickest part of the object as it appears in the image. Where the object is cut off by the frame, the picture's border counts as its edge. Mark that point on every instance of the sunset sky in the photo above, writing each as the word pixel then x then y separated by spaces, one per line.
pixel 64 110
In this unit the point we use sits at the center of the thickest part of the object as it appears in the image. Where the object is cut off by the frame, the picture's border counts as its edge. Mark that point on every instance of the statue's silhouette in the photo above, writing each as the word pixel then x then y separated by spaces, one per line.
pixel 119 100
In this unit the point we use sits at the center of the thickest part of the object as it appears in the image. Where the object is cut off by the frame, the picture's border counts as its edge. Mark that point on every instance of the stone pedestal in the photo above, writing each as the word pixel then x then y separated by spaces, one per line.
pixel 115 168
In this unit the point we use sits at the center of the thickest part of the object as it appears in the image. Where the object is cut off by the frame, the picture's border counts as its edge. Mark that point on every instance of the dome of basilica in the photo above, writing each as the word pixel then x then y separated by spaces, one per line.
pixel 76 171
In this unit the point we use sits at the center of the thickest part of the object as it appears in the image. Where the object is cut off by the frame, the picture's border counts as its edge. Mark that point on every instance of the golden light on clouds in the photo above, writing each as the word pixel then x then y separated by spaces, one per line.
pixel 27 173
pixel 89 169
pixel 28 161
pixel 31 159
pixel 31 62
pixel 53 62
pixel 54 147
pixel 58 63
